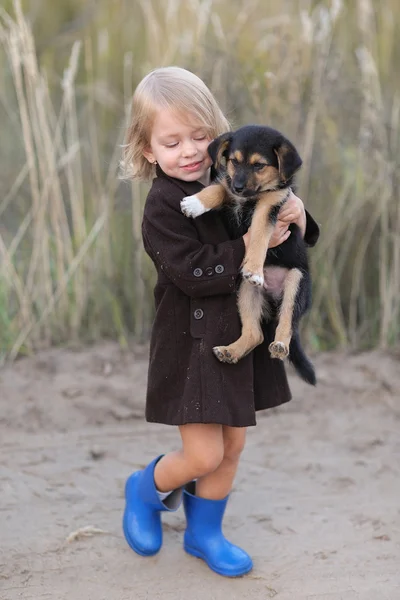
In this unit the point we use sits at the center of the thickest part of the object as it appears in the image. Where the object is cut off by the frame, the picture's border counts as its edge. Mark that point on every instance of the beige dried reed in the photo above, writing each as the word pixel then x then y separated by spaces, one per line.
pixel 325 73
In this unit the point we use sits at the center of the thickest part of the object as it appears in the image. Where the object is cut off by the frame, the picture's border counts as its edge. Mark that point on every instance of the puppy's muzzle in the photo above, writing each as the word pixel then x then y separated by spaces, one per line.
pixel 237 188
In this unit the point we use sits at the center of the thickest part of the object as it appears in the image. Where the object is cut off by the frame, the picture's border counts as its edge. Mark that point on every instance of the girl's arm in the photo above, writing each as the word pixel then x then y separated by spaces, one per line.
pixel 172 242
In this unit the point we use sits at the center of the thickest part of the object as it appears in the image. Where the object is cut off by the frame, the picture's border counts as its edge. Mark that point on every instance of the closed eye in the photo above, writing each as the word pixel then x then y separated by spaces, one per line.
pixel 259 166
pixel 234 161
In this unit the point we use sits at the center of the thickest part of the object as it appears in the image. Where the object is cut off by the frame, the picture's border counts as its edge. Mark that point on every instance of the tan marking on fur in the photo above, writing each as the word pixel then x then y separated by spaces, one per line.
pixel 281 153
pixel 230 169
pixel 268 177
pixel 250 303
pixel 220 152
pixel 283 332
pixel 251 182
pixel 212 196
pixel 261 230
pixel 250 298
pixel 257 158
pixel 238 155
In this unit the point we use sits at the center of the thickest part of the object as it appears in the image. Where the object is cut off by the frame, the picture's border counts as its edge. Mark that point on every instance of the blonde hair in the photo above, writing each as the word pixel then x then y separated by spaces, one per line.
pixel 172 88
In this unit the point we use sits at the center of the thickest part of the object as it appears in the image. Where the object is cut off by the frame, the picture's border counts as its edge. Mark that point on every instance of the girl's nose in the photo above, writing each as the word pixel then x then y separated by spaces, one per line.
pixel 189 149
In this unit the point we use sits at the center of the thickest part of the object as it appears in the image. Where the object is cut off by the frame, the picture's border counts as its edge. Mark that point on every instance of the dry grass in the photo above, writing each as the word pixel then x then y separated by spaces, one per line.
pixel 72 265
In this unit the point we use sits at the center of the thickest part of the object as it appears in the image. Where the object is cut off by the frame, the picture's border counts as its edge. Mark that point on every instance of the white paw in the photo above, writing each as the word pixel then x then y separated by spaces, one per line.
pixel 192 206
pixel 253 278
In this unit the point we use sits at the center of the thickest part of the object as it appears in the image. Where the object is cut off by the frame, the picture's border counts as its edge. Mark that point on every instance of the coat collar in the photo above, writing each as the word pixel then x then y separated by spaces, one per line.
pixel 188 187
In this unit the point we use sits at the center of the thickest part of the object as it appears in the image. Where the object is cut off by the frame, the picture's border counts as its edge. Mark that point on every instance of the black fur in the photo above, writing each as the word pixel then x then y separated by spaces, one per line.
pixel 290 254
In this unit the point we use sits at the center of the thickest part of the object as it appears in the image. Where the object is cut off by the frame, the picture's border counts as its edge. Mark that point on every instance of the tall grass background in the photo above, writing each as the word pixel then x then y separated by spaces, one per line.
pixel 72 267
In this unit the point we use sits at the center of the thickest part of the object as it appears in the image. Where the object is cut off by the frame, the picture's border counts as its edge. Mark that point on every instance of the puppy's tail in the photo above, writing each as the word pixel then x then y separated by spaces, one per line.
pixel 300 361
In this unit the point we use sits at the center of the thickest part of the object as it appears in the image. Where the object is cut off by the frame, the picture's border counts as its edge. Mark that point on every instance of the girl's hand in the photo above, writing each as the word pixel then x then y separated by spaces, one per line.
pixel 280 234
pixel 293 212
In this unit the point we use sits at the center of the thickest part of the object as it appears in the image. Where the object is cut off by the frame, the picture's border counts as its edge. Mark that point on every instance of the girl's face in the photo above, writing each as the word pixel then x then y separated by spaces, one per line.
pixel 179 147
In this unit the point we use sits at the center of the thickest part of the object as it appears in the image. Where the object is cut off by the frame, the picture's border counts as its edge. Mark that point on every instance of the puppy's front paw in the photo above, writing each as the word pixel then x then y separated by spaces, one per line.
pixel 225 354
pixel 192 206
pixel 256 279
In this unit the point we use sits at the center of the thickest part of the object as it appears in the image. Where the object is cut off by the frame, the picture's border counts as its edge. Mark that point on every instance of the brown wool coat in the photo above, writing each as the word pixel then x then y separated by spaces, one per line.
pixel 195 296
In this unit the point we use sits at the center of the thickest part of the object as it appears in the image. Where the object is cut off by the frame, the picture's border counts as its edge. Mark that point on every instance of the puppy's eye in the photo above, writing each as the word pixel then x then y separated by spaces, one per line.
pixel 234 161
pixel 259 166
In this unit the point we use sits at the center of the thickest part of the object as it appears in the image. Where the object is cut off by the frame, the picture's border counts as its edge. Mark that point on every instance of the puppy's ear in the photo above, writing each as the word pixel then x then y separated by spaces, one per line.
pixel 289 160
pixel 219 148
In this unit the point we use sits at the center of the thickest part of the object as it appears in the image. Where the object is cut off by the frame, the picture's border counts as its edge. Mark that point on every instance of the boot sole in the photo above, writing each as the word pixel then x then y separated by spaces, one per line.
pixel 133 545
pixel 198 554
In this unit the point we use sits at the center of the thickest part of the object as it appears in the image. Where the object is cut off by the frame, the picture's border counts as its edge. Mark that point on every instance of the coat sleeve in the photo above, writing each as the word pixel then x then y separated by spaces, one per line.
pixel 312 231
pixel 172 242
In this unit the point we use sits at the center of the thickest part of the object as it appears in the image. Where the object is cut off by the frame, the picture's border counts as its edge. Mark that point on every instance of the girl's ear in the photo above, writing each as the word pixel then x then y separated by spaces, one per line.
pixel 219 148
pixel 147 153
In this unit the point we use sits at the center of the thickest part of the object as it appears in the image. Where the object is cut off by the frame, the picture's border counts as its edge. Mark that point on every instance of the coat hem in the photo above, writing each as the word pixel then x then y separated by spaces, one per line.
pixel 228 423
pixel 277 405
pixel 214 422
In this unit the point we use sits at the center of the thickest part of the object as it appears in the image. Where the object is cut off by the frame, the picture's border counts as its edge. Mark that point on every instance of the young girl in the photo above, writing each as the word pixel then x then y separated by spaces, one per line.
pixel 174 118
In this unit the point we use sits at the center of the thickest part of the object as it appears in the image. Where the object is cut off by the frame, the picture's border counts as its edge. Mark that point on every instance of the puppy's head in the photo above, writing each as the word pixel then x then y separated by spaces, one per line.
pixel 254 159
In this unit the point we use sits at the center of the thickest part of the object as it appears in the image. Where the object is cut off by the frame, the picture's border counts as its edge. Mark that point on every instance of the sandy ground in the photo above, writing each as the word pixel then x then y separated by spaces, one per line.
pixel 316 501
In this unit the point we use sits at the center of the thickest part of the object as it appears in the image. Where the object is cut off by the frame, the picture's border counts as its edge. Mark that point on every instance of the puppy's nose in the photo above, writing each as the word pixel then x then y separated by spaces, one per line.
pixel 238 187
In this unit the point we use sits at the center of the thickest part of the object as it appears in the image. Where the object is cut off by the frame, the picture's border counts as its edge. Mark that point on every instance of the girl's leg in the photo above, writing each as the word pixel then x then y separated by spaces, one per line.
pixel 205 504
pixel 217 484
pixel 203 448
pixel 202 452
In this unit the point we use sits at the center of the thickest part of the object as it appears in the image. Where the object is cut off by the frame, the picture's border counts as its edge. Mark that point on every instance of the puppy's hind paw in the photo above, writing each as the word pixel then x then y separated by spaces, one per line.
pixel 192 206
pixel 278 350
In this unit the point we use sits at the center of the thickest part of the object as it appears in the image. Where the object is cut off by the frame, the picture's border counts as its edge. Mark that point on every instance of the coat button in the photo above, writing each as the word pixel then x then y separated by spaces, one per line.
pixel 198 314
pixel 219 269
pixel 209 271
pixel 198 272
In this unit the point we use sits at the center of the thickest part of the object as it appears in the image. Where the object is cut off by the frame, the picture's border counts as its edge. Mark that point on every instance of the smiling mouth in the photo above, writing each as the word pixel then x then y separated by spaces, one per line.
pixel 192 165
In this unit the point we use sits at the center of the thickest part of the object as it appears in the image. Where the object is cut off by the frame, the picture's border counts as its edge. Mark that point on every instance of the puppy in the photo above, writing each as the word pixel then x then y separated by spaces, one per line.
pixel 255 168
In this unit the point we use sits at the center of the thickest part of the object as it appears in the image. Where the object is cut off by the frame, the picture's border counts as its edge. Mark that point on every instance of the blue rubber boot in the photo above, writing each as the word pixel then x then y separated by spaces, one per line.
pixel 142 519
pixel 204 538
